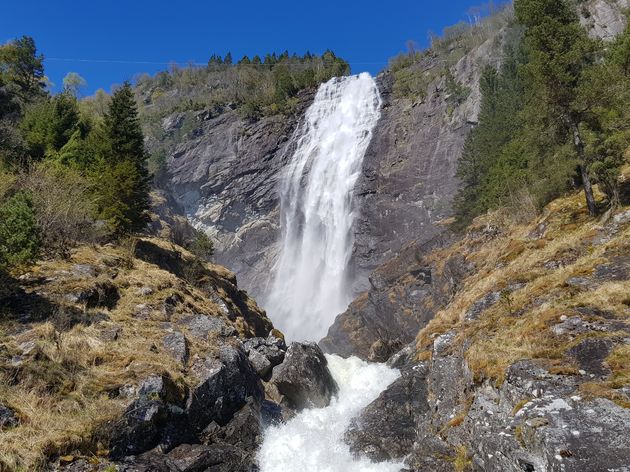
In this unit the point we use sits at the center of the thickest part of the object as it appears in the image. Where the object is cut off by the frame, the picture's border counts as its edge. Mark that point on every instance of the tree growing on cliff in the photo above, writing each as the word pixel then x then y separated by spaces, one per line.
pixel 560 51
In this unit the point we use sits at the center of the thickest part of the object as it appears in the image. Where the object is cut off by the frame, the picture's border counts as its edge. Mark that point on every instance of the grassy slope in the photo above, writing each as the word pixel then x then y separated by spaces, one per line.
pixel 65 387
pixel 551 256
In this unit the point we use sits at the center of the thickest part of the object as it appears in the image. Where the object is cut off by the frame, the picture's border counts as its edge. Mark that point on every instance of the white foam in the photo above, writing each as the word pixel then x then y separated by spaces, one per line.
pixel 313 440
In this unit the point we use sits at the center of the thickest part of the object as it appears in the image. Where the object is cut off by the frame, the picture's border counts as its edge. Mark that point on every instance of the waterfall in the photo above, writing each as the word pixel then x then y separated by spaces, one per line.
pixel 310 285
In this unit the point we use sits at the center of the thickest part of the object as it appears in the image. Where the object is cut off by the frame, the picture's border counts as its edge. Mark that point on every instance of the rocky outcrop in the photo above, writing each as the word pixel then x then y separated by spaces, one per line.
pixel 386 429
pixel 525 363
pixel 604 19
pixel 405 294
pixel 303 379
pixel 536 420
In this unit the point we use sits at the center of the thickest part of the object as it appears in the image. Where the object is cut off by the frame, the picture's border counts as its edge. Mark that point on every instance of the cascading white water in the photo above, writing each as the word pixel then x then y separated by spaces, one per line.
pixel 313 440
pixel 310 286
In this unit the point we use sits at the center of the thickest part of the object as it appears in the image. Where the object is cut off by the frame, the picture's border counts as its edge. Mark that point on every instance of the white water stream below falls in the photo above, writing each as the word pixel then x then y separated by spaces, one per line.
pixel 313 440
pixel 311 287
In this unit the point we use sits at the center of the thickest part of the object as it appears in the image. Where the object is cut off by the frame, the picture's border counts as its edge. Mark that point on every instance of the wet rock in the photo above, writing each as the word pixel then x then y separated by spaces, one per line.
pixel 225 385
pixel 176 345
pixel 386 429
pixel 271 413
pixel 8 418
pixel 217 457
pixel 303 378
pixel 244 430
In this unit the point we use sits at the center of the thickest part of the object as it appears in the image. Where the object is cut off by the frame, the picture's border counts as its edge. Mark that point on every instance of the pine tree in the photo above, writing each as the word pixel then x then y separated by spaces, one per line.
pixel 22 69
pixel 124 186
pixel 560 51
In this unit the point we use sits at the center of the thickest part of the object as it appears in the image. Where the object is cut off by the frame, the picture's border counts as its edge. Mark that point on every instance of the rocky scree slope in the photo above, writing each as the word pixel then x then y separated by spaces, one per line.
pixel 141 357
pixel 523 362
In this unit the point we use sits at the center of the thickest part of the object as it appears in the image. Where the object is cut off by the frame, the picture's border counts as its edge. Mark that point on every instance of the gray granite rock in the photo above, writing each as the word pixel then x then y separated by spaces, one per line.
pixel 303 379
pixel 176 345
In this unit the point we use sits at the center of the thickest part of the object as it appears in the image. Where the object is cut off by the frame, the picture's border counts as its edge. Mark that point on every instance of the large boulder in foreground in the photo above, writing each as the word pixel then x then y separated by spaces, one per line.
pixel 303 379
pixel 225 385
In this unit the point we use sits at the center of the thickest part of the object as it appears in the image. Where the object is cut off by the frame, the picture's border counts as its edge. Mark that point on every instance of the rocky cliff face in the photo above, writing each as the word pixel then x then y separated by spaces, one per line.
pixel 225 171
pixel 408 180
pixel 524 365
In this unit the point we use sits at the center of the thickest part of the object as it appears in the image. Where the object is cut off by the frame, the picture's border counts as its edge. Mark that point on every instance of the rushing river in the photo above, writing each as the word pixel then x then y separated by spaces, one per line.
pixel 313 440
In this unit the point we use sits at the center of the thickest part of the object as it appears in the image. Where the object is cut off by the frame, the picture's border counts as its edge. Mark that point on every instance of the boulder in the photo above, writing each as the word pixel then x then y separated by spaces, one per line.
pixel 225 385
pixel 303 379
pixel 386 428
pixel 244 429
pixel 260 363
pixel 176 345
pixel 218 457
pixel 265 354
pixel 139 429
pixel 155 418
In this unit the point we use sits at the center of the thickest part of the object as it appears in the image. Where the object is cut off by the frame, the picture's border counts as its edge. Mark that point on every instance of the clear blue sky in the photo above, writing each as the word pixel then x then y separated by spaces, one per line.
pixel 134 36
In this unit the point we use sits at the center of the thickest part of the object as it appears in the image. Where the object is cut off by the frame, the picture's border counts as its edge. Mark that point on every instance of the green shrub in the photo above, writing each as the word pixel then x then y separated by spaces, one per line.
pixel 202 246
pixel 64 207
pixel 20 237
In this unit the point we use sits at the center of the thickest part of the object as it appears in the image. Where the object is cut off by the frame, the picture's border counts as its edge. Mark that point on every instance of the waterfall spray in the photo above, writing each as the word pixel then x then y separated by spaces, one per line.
pixel 310 285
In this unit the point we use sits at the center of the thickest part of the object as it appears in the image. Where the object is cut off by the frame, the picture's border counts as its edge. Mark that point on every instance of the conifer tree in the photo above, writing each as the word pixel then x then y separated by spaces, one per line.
pixel 560 51
pixel 124 186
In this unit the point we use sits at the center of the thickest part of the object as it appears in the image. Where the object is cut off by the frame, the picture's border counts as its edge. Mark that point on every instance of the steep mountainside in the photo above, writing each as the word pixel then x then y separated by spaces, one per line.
pixel 523 365
pixel 224 170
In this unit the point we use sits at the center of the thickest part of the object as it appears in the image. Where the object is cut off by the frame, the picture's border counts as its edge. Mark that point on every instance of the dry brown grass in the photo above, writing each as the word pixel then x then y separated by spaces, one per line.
pixel 65 392
pixel 518 326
